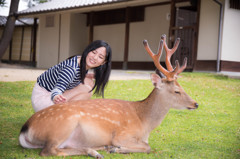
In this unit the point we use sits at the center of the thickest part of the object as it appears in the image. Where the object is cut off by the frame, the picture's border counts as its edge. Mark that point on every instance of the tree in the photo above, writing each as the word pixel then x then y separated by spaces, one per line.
pixel 9 28
pixel 2 3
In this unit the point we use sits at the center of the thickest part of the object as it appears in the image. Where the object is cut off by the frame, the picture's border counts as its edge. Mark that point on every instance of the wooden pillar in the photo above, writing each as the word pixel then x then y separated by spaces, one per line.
pixel 172 23
pixel 91 29
pixel 10 50
pixel 126 43
pixel 34 49
pixel 21 45
pixel 196 35
pixel 59 36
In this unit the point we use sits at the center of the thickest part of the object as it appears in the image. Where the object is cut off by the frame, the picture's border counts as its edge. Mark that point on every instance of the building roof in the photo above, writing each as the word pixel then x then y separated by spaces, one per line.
pixel 18 22
pixel 3 20
pixel 57 5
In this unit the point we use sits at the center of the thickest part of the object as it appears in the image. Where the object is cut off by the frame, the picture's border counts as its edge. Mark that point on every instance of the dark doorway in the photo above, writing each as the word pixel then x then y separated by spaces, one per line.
pixel 184 24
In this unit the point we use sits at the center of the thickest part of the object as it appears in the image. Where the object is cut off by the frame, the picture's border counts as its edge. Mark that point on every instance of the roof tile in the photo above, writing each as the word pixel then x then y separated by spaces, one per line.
pixel 64 4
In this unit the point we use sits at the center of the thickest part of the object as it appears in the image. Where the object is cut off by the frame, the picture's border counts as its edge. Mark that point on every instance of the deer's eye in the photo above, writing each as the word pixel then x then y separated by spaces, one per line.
pixel 177 92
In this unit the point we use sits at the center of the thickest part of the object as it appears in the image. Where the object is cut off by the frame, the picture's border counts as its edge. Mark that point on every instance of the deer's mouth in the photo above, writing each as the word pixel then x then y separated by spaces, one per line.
pixel 190 108
pixel 194 107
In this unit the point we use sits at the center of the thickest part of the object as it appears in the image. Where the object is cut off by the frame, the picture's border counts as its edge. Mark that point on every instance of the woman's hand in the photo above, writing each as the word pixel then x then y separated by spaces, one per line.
pixel 59 99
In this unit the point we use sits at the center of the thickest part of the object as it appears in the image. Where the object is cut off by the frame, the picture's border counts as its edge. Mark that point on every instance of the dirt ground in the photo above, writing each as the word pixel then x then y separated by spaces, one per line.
pixel 12 73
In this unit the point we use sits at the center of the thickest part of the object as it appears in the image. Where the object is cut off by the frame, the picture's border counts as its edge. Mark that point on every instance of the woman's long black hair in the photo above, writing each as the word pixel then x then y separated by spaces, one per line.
pixel 101 72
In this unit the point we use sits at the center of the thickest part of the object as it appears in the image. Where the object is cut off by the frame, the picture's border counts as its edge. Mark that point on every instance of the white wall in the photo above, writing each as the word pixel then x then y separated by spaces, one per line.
pixel 114 35
pixel 48 39
pixel 78 34
pixel 208 30
pixel 64 42
pixel 66 39
pixel 154 25
pixel 74 36
pixel 231 34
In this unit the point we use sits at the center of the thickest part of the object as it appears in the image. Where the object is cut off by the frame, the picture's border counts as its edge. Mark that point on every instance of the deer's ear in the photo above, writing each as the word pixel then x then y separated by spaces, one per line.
pixel 156 80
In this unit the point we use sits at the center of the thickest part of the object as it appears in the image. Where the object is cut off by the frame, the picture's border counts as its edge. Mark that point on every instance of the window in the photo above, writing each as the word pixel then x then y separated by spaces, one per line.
pixel 49 21
pixel 116 16
pixel 235 4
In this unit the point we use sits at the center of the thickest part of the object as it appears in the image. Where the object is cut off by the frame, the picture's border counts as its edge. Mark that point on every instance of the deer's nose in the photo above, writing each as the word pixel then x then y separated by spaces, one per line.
pixel 196 105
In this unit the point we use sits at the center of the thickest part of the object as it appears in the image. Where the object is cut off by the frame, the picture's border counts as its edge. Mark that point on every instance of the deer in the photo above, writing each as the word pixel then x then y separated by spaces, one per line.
pixel 117 126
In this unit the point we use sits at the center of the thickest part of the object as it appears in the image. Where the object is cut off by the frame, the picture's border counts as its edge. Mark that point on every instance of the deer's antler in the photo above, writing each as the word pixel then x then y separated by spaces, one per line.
pixel 170 52
pixel 156 57
pixel 170 73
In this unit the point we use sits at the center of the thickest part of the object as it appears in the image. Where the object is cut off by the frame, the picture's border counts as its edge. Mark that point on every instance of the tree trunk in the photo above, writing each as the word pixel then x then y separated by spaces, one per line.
pixel 9 28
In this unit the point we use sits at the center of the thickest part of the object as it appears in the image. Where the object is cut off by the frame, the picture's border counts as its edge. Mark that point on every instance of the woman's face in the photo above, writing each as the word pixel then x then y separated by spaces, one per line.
pixel 96 58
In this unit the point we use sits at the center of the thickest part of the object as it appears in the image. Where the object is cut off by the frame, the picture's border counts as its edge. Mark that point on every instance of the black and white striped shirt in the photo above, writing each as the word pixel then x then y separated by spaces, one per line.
pixel 61 77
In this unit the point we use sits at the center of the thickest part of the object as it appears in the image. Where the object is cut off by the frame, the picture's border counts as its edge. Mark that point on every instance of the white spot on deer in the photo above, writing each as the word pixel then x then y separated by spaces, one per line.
pixel 116 122
pixel 107 119
pixel 94 116
pixel 129 121
pixel 58 109
pixel 115 112
pixel 77 116
pixel 70 109
pixel 50 109
pixel 43 112
pixel 38 115
pixel 82 114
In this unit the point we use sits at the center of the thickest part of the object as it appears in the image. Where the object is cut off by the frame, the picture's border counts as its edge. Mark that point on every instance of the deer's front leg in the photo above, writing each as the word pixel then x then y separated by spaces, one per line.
pixel 122 146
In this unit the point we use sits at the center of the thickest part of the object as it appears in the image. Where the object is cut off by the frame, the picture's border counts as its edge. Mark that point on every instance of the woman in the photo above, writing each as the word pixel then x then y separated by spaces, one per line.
pixel 68 80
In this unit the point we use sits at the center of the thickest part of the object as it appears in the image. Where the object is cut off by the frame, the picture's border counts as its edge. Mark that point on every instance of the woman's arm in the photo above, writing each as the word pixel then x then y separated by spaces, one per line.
pixel 65 77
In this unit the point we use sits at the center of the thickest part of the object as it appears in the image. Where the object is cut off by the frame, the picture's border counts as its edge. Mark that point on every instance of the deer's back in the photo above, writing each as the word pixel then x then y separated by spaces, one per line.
pixel 105 115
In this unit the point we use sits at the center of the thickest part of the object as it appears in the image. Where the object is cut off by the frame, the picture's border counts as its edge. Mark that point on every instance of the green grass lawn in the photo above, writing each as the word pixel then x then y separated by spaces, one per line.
pixel 211 131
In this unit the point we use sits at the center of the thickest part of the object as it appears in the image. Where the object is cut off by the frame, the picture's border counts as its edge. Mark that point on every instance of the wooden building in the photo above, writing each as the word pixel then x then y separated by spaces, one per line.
pixel 22 48
pixel 208 30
